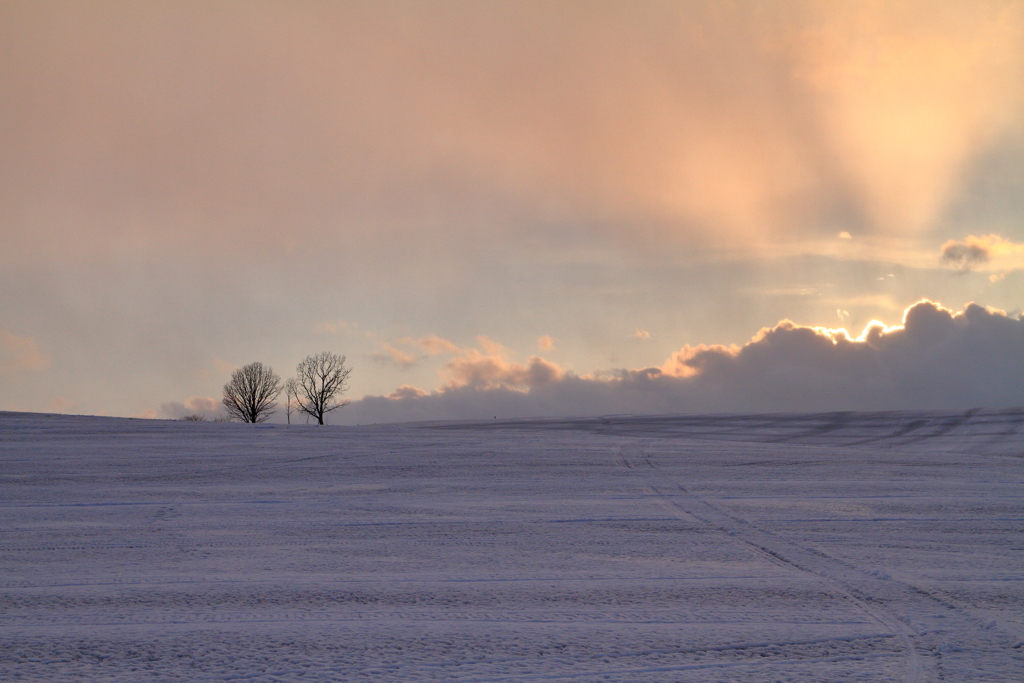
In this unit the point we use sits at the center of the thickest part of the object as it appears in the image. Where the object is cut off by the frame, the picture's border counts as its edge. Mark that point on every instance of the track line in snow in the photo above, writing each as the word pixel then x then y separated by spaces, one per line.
pixel 907 609
pixel 762 663
pixel 797 557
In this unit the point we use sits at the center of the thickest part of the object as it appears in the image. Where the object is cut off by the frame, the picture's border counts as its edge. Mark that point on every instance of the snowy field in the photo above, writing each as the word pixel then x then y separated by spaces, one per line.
pixel 838 547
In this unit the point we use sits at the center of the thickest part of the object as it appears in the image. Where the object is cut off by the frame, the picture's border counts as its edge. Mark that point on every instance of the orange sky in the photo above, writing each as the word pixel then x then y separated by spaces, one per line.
pixel 187 187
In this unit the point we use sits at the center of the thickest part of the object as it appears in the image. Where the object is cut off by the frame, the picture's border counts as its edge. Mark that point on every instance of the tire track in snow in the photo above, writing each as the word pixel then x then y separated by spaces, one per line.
pixel 820 566
pixel 979 433
pixel 925 617
pixel 685 667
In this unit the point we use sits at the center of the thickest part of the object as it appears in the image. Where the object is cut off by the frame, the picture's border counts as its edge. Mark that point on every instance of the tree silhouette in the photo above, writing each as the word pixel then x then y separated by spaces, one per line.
pixel 291 391
pixel 250 393
pixel 319 380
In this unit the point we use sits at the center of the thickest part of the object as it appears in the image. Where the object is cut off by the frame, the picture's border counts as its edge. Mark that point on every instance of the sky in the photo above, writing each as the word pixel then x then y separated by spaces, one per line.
pixel 513 208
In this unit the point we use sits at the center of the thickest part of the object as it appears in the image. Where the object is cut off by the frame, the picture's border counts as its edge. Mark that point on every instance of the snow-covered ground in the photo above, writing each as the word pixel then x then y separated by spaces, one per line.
pixel 869 547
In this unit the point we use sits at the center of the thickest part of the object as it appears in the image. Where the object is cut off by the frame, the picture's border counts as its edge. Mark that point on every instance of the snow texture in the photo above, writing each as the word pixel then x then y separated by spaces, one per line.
pixel 829 547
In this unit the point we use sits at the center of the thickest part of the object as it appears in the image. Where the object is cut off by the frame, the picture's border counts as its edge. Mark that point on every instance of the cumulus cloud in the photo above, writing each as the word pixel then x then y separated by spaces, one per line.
pixel 936 358
pixel 490 369
pixel 681 363
pixel 406 391
pixel 545 343
pixel 21 354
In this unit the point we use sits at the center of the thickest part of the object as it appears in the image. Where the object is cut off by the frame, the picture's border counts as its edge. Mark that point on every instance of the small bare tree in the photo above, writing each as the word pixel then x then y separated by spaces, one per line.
pixel 319 380
pixel 250 394
pixel 290 392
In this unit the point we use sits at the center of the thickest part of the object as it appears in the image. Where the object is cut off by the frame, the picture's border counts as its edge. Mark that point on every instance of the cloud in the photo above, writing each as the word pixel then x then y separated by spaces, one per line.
pixel 935 359
pixel 641 335
pixel 491 369
pixel 483 368
pixel 431 345
pixel 545 343
pixel 975 252
pixel 393 356
pixel 202 405
pixel 682 362
pixel 434 345
pixel 406 391
pixel 21 354
pixel 964 255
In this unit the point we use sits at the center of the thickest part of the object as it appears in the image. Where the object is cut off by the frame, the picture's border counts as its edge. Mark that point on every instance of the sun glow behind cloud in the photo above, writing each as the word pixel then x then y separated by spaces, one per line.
pixel 935 359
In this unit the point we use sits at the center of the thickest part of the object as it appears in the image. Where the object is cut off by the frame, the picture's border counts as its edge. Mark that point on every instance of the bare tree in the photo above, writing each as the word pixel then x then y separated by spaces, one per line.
pixel 291 392
pixel 320 380
pixel 250 394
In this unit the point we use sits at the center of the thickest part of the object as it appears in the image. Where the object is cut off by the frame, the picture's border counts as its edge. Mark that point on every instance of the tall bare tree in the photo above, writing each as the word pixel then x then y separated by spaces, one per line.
pixel 319 381
pixel 251 393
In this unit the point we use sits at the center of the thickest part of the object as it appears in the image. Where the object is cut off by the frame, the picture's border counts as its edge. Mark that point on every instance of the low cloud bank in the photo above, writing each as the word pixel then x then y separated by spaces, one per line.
pixel 209 408
pixel 935 359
